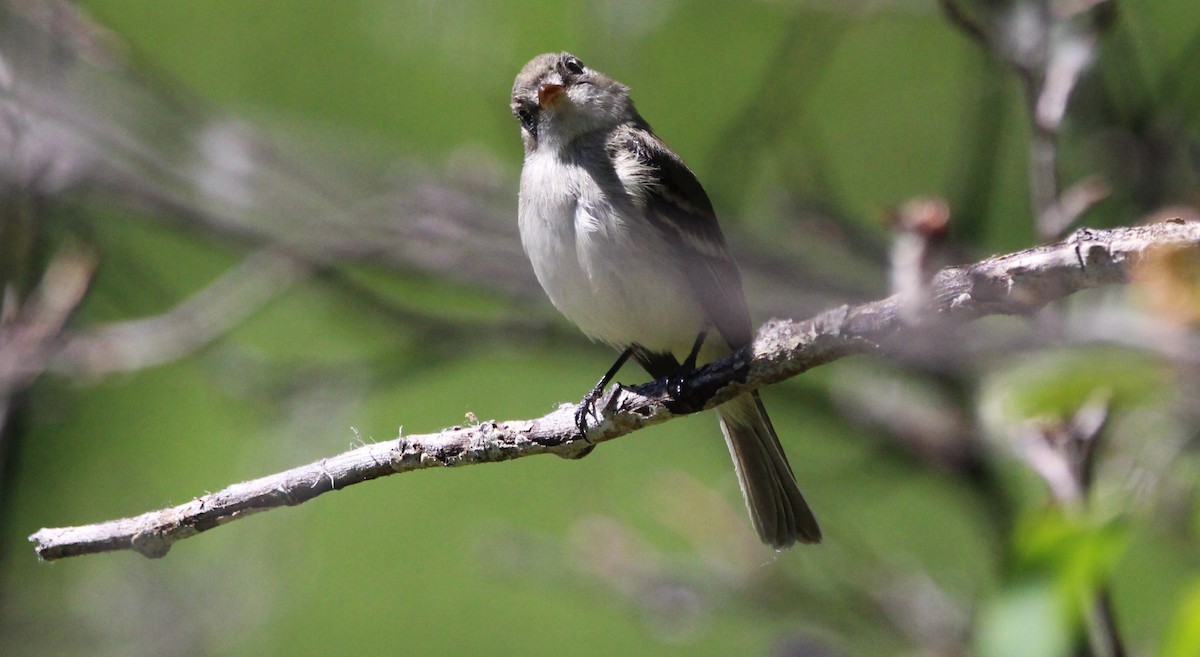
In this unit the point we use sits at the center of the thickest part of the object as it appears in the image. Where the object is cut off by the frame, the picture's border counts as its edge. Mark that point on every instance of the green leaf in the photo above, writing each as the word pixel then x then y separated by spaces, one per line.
pixel 1183 637
pixel 1026 620
pixel 1056 384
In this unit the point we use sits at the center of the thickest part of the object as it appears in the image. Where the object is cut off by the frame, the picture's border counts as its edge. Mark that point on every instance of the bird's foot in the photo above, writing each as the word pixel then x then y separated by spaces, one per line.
pixel 679 398
pixel 583 411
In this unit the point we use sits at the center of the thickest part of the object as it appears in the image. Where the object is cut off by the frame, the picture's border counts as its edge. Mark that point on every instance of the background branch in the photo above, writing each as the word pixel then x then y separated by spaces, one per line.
pixel 195 322
pixel 1018 283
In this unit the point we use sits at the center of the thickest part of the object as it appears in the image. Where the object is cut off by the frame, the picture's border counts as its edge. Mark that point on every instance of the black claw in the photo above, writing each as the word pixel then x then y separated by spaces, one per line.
pixel 680 400
pixel 581 413
pixel 676 382
pixel 585 409
pixel 581 419
pixel 589 401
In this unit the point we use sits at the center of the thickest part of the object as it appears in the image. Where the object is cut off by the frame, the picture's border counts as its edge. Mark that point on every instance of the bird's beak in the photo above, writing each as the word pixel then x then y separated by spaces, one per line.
pixel 548 95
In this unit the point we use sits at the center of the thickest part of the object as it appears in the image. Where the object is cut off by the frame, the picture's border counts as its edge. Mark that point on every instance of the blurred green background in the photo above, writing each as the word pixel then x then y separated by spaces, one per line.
pixel 835 112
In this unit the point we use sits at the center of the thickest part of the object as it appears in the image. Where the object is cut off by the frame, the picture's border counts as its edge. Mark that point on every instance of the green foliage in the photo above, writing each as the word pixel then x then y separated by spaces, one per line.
pixel 1061 562
pixel 1025 620
pixel 1183 638
pixel 1054 384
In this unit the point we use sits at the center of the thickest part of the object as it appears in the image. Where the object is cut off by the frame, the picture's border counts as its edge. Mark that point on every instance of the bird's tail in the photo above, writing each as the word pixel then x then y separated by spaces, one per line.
pixel 780 515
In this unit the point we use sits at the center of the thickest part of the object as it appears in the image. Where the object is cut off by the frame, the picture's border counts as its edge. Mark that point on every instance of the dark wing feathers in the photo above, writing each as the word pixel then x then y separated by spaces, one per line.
pixel 679 207
pixel 658 365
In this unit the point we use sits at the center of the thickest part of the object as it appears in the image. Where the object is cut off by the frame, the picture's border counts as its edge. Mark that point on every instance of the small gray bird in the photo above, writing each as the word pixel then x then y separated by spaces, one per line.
pixel 626 244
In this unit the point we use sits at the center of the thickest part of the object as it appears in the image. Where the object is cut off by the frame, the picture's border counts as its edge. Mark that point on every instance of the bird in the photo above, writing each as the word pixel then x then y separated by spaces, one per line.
pixel 625 242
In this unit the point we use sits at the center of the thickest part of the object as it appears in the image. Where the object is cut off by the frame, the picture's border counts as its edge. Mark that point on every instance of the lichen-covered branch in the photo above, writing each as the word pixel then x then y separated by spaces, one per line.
pixel 1017 283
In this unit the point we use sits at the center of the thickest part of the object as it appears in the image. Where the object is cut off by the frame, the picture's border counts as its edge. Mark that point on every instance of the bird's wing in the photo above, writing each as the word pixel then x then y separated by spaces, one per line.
pixel 677 205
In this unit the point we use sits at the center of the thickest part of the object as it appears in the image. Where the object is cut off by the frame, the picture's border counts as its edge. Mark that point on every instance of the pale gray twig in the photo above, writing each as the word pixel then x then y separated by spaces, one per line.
pixel 197 321
pixel 1018 283
pixel 30 332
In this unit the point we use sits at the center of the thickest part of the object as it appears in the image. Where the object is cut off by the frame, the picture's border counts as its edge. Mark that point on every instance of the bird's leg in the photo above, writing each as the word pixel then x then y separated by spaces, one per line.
pixel 676 380
pixel 585 406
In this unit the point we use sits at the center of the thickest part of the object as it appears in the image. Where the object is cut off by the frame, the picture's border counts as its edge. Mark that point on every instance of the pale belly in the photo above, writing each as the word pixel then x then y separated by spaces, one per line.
pixel 610 273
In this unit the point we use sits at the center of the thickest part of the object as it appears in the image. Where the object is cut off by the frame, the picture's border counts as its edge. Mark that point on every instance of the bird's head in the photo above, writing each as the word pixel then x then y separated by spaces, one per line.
pixel 557 99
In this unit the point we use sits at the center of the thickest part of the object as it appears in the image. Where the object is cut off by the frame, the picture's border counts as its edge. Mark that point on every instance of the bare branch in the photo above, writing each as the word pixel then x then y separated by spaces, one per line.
pixel 197 321
pixel 1017 283
pixel 31 332
pixel 921 224
pixel 29 335
pixel 78 119
pixel 1048 46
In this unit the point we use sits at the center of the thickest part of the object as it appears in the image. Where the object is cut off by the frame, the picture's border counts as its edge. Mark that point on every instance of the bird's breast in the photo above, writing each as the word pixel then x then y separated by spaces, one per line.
pixel 601 261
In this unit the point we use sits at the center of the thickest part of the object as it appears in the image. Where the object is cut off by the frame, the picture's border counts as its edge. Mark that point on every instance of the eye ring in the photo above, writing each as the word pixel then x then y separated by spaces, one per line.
pixel 573 65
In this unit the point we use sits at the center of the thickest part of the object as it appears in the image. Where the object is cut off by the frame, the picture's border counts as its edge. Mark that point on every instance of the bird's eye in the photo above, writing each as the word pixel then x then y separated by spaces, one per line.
pixel 526 116
pixel 573 65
